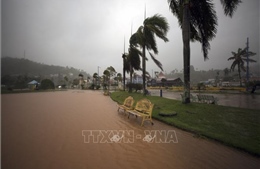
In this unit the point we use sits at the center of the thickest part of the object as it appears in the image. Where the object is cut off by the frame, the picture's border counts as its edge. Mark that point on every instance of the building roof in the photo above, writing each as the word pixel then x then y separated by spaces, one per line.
pixel 33 82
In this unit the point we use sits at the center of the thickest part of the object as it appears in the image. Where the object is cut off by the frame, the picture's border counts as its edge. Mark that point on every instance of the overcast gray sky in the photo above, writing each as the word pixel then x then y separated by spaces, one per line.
pixel 86 34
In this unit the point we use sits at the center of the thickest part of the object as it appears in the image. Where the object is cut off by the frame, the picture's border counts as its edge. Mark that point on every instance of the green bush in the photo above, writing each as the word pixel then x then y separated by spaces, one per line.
pixel 47 84
pixel 98 87
pixel 133 86
pixel 92 87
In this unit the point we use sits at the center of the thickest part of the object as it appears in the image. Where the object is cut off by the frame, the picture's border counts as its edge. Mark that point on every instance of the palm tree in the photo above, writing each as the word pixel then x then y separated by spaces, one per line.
pixel 226 71
pixel 198 21
pixel 124 68
pixel 106 78
pixel 95 76
pixel 145 38
pixel 109 72
pixel 132 59
pixel 239 61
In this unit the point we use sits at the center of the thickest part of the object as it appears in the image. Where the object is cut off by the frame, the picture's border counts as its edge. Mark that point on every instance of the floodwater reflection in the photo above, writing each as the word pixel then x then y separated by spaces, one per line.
pixel 250 101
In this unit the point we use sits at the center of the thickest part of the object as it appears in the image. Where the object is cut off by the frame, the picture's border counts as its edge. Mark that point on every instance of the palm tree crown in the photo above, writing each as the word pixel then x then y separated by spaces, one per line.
pixel 240 57
pixel 198 21
pixel 145 38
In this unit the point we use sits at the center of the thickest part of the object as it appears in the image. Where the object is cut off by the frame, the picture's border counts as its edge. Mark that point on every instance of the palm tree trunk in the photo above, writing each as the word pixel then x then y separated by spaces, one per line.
pixel 124 74
pixel 131 79
pixel 239 75
pixel 186 51
pixel 144 69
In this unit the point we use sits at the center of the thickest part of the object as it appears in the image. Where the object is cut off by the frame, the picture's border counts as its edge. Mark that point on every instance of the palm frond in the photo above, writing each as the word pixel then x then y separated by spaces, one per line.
pixel 159 24
pixel 155 25
pixel 133 41
pixel 140 36
pixel 150 42
pixel 176 7
pixel 204 21
pixel 231 58
pixel 233 65
pixel 230 6
pixel 233 53
pixel 249 60
pixel 134 57
pixel 157 62
pixel 249 54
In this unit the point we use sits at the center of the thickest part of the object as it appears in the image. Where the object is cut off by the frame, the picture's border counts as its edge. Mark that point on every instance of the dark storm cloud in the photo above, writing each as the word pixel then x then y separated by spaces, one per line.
pixel 86 34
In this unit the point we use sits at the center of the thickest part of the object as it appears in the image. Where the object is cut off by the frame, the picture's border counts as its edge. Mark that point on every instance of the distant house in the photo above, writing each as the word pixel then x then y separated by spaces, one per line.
pixel 138 79
pixel 166 82
pixel 33 85
pixel 174 82
pixel 161 76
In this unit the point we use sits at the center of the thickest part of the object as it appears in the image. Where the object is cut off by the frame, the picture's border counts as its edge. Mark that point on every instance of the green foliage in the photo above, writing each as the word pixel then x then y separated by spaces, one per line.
pixel 133 86
pixel 16 66
pixel 201 86
pixel 98 87
pixel 8 80
pixel 236 127
pixel 17 82
pixel 92 86
pixel 75 82
pixel 104 86
pixel 47 84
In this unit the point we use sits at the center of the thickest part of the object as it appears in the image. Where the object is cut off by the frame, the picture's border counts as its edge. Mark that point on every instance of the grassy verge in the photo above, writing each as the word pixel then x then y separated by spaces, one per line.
pixel 236 127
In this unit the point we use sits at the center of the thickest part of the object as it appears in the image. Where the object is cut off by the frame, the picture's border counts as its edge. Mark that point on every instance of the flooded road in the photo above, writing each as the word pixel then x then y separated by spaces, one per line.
pixel 74 129
pixel 250 101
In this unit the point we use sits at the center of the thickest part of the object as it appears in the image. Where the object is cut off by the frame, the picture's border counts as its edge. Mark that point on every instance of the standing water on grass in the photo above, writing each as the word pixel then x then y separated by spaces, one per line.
pixel 250 101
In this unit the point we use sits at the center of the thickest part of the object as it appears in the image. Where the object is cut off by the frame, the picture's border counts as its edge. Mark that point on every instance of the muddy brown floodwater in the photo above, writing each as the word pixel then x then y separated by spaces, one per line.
pixel 83 130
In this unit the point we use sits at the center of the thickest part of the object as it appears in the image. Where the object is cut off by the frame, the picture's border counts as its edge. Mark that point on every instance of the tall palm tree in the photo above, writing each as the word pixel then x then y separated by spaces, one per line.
pixel 239 61
pixel 106 79
pixel 133 58
pixel 145 38
pixel 95 76
pixel 124 68
pixel 198 21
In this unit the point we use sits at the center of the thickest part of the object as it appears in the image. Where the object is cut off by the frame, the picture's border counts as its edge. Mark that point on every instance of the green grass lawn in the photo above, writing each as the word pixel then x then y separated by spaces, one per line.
pixel 236 127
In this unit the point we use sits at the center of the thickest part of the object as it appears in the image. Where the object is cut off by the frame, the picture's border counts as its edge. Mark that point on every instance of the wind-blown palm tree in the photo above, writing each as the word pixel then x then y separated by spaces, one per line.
pixel 124 68
pixel 106 78
pixel 145 38
pixel 133 58
pixel 95 76
pixel 239 61
pixel 198 21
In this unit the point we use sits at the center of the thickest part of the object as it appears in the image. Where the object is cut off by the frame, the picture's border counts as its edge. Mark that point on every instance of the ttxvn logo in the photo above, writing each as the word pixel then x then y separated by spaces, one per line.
pixel 129 136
